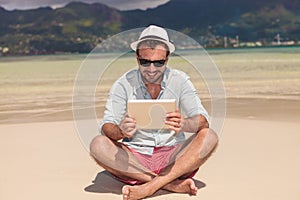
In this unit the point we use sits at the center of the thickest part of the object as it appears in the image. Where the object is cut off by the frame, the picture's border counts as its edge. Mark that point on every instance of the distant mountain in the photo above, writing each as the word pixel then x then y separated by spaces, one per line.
pixel 78 27
pixel 179 14
pixel 249 19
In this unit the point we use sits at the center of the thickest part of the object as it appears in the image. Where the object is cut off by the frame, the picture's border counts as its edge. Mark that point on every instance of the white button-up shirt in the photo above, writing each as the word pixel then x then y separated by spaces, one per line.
pixel 175 85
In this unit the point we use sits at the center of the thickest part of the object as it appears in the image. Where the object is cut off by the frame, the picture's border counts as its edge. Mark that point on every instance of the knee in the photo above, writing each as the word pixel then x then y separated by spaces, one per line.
pixel 98 145
pixel 213 136
pixel 209 135
pixel 209 141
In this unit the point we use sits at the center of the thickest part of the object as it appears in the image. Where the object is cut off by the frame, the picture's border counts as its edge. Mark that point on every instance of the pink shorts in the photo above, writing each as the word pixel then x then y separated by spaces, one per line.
pixel 156 163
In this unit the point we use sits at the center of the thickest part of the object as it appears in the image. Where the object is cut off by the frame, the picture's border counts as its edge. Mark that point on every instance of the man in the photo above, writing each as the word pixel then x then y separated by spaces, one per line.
pixel 149 160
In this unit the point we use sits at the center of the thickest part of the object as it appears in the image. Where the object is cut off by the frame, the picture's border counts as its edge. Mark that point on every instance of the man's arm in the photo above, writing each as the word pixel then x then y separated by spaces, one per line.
pixel 127 128
pixel 192 124
pixel 112 131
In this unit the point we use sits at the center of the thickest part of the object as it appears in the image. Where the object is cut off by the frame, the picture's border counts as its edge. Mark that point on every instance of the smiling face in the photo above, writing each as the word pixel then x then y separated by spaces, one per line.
pixel 152 72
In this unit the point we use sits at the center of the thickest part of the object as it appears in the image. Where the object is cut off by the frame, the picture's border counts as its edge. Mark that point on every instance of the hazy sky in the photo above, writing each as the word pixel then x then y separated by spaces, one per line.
pixel 119 4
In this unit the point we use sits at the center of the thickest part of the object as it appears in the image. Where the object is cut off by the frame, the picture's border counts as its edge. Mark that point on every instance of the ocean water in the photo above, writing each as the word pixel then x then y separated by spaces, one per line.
pixel 262 72
pixel 39 88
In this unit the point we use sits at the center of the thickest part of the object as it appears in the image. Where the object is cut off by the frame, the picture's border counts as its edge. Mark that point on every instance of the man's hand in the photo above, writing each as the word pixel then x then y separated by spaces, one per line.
pixel 128 126
pixel 174 121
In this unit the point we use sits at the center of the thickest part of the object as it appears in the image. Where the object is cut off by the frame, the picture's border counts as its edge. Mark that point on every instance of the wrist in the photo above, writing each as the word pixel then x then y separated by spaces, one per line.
pixel 122 133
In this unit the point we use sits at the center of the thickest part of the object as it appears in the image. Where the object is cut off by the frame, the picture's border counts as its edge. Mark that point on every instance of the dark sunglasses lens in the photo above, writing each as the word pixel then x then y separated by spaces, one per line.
pixel 157 63
pixel 145 62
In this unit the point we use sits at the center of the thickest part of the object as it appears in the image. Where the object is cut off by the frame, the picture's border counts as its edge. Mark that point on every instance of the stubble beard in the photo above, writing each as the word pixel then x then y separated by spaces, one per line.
pixel 156 79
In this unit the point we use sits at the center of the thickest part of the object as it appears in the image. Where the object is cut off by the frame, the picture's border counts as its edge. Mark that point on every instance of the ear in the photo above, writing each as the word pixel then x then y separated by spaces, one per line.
pixel 167 58
pixel 137 59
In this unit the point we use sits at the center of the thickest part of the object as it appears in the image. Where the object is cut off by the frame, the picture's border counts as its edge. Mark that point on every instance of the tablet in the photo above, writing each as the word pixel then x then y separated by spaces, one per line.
pixel 150 114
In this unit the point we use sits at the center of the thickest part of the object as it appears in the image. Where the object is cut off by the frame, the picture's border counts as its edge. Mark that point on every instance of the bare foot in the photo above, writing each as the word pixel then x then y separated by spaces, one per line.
pixel 182 186
pixel 186 186
pixel 134 192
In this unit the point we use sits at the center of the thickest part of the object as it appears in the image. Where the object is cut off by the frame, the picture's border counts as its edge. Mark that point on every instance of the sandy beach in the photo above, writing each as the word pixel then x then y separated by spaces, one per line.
pixel 42 156
pixel 255 160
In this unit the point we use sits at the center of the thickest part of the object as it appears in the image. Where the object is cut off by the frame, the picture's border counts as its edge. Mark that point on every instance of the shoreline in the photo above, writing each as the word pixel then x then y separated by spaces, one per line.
pixel 210 50
pixel 267 109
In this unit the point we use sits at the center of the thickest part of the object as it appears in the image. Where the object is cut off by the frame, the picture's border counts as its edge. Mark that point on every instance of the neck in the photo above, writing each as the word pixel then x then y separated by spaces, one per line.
pixel 153 89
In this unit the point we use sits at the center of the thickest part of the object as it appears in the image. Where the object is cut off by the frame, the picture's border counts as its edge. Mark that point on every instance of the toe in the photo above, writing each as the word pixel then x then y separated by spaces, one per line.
pixel 125 192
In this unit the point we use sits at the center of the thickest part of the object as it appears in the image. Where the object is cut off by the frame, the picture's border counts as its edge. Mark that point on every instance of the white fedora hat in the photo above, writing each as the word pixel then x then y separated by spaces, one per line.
pixel 153 32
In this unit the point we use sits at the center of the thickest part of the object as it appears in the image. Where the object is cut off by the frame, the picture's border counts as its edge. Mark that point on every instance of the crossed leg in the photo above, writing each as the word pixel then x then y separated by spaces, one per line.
pixel 191 157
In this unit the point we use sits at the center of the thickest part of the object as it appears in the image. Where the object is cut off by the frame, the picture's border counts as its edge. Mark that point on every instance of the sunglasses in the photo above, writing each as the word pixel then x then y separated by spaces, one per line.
pixel 156 63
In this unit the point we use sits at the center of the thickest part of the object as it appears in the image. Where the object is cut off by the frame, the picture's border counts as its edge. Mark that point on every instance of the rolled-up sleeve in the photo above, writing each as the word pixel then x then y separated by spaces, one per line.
pixel 116 104
pixel 189 101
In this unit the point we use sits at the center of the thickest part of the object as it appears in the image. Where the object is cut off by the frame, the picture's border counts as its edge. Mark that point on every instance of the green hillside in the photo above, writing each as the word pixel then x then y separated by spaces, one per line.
pixel 78 27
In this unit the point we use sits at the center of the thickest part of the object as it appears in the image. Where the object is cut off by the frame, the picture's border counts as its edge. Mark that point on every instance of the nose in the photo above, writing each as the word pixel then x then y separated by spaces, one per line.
pixel 152 67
